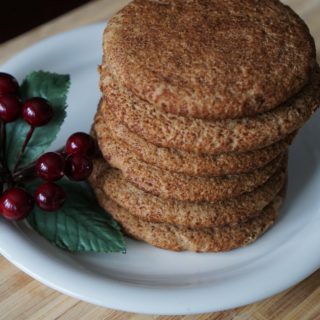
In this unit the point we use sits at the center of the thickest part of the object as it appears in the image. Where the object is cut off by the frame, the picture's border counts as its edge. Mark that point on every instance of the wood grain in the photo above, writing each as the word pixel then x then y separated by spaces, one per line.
pixel 23 298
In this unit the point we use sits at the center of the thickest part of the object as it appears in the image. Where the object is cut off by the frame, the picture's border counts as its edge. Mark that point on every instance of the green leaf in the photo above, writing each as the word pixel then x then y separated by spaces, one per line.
pixel 80 225
pixel 54 88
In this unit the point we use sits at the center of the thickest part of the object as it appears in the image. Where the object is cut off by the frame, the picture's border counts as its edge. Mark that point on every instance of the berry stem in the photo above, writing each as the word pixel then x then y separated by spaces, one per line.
pixel 26 141
pixel 3 144
pixel 5 172
pixel 26 174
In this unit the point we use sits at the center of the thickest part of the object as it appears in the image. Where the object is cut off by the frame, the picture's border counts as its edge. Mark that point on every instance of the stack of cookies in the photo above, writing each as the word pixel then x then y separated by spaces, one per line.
pixel 200 101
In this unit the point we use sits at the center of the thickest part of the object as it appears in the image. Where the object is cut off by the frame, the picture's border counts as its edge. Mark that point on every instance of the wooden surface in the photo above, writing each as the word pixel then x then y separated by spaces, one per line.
pixel 21 297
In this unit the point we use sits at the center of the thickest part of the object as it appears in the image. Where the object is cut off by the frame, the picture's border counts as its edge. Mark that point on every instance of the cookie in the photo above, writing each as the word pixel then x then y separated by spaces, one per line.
pixel 180 161
pixel 209 59
pixel 170 185
pixel 171 237
pixel 212 137
pixel 192 215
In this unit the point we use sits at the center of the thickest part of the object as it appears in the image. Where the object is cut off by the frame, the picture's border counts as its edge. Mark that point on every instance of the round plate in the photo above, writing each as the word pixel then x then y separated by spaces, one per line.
pixel 150 280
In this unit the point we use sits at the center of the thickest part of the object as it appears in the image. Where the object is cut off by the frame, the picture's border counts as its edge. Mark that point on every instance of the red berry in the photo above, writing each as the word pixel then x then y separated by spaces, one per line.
pixel 78 167
pixel 81 143
pixel 16 204
pixel 49 196
pixel 50 166
pixel 10 108
pixel 8 84
pixel 37 112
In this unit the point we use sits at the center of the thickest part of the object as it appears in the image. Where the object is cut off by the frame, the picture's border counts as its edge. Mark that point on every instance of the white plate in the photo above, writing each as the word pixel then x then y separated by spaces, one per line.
pixel 149 280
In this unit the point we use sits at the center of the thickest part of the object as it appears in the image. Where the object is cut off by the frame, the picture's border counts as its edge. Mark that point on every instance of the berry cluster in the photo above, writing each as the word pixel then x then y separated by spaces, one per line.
pixel 73 162
pixel 52 166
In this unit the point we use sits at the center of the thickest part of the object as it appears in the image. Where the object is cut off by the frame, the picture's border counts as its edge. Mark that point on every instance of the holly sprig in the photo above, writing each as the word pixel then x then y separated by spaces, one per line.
pixel 79 224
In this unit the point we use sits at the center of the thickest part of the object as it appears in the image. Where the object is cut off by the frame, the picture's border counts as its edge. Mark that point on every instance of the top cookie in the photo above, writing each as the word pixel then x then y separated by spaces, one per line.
pixel 209 59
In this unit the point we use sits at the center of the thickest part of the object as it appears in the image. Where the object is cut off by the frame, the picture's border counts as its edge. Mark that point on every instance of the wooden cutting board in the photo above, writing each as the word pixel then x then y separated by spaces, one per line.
pixel 23 298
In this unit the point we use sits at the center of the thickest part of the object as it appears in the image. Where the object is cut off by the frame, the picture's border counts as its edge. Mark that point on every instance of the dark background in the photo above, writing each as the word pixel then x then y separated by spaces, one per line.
pixel 17 17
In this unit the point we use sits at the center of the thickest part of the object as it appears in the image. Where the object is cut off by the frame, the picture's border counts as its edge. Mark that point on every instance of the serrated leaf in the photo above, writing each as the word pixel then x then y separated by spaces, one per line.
pixel 80 225
pixel 54 88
